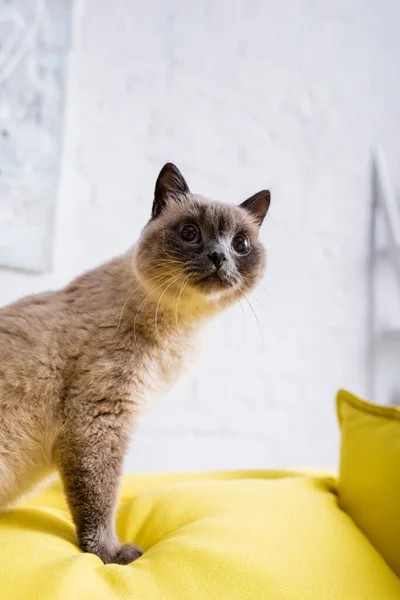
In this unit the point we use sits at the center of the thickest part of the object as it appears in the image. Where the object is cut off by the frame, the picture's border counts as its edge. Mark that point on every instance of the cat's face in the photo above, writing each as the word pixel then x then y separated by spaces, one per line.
pixel 194 244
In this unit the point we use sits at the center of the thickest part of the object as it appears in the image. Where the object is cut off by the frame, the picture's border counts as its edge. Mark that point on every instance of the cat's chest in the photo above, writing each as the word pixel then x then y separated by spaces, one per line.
pixel 157 372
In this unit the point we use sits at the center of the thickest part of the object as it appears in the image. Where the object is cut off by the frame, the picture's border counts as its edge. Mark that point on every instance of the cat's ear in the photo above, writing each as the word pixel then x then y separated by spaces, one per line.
pixel 258 205
pixel 170 184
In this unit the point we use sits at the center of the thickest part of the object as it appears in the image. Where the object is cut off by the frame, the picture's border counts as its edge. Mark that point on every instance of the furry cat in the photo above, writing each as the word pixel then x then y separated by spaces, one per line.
pixel 77 365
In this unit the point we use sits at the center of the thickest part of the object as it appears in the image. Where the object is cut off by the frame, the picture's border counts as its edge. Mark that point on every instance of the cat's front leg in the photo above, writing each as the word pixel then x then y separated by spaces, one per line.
pixel 89 456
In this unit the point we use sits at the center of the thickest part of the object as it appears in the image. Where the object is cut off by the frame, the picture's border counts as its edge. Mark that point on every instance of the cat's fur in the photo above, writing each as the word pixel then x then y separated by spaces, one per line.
pixel 77 365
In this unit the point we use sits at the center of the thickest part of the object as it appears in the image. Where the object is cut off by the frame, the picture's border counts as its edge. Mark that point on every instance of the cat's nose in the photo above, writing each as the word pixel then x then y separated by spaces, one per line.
pixel 217 258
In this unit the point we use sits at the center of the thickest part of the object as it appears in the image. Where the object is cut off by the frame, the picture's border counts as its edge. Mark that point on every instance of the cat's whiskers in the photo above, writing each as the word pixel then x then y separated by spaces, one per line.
pixel 184 283
pixel 163 266
pixel 255 316
pixel 143 303
pixel 262 289
pixel 135 290
pixel 136 267
pixel 158 306
pixel 260 303
pixel 152 267
pixel 154 264
pixel 244 336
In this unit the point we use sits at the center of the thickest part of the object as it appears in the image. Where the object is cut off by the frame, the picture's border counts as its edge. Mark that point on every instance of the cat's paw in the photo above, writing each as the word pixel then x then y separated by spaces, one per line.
pixel 126 554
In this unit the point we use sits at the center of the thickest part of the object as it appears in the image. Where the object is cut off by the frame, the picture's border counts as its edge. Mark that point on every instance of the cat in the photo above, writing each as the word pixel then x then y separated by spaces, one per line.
pixel 78 365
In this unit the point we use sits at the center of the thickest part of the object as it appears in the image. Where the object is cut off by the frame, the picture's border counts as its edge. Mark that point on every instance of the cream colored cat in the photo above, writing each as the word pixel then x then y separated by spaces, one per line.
pixel 77 365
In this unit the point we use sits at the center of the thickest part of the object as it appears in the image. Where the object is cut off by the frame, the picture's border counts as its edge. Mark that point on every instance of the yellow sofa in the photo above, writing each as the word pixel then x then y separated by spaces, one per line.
pixel 209 536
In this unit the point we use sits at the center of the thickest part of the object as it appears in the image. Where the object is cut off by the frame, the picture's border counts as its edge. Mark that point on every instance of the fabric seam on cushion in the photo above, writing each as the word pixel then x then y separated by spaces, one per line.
pixel 386 412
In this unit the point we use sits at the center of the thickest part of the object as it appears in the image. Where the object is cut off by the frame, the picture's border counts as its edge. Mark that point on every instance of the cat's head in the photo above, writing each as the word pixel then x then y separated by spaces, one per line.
pixel 199 246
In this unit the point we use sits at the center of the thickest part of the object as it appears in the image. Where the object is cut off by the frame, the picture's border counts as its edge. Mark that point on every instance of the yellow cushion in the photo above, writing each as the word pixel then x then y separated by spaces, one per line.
pixel 212 536
pixel 369 481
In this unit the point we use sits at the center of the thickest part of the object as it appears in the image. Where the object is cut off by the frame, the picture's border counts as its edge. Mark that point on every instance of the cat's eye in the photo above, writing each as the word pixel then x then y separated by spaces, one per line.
pixel 189 233
pixel 240 244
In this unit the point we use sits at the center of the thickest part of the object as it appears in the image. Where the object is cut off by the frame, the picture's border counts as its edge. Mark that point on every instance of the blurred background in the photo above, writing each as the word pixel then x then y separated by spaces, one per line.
pixel 296 96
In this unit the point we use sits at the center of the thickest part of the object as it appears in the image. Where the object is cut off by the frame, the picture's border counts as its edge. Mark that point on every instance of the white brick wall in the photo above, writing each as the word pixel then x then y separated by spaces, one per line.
pixel 241 95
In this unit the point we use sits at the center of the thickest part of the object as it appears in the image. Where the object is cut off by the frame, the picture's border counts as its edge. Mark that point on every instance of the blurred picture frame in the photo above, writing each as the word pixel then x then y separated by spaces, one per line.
pixel 35 39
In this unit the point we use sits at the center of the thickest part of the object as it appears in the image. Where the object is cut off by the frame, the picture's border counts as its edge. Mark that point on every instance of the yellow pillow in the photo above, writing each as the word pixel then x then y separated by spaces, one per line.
pixel 369 480
pixel 256 535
